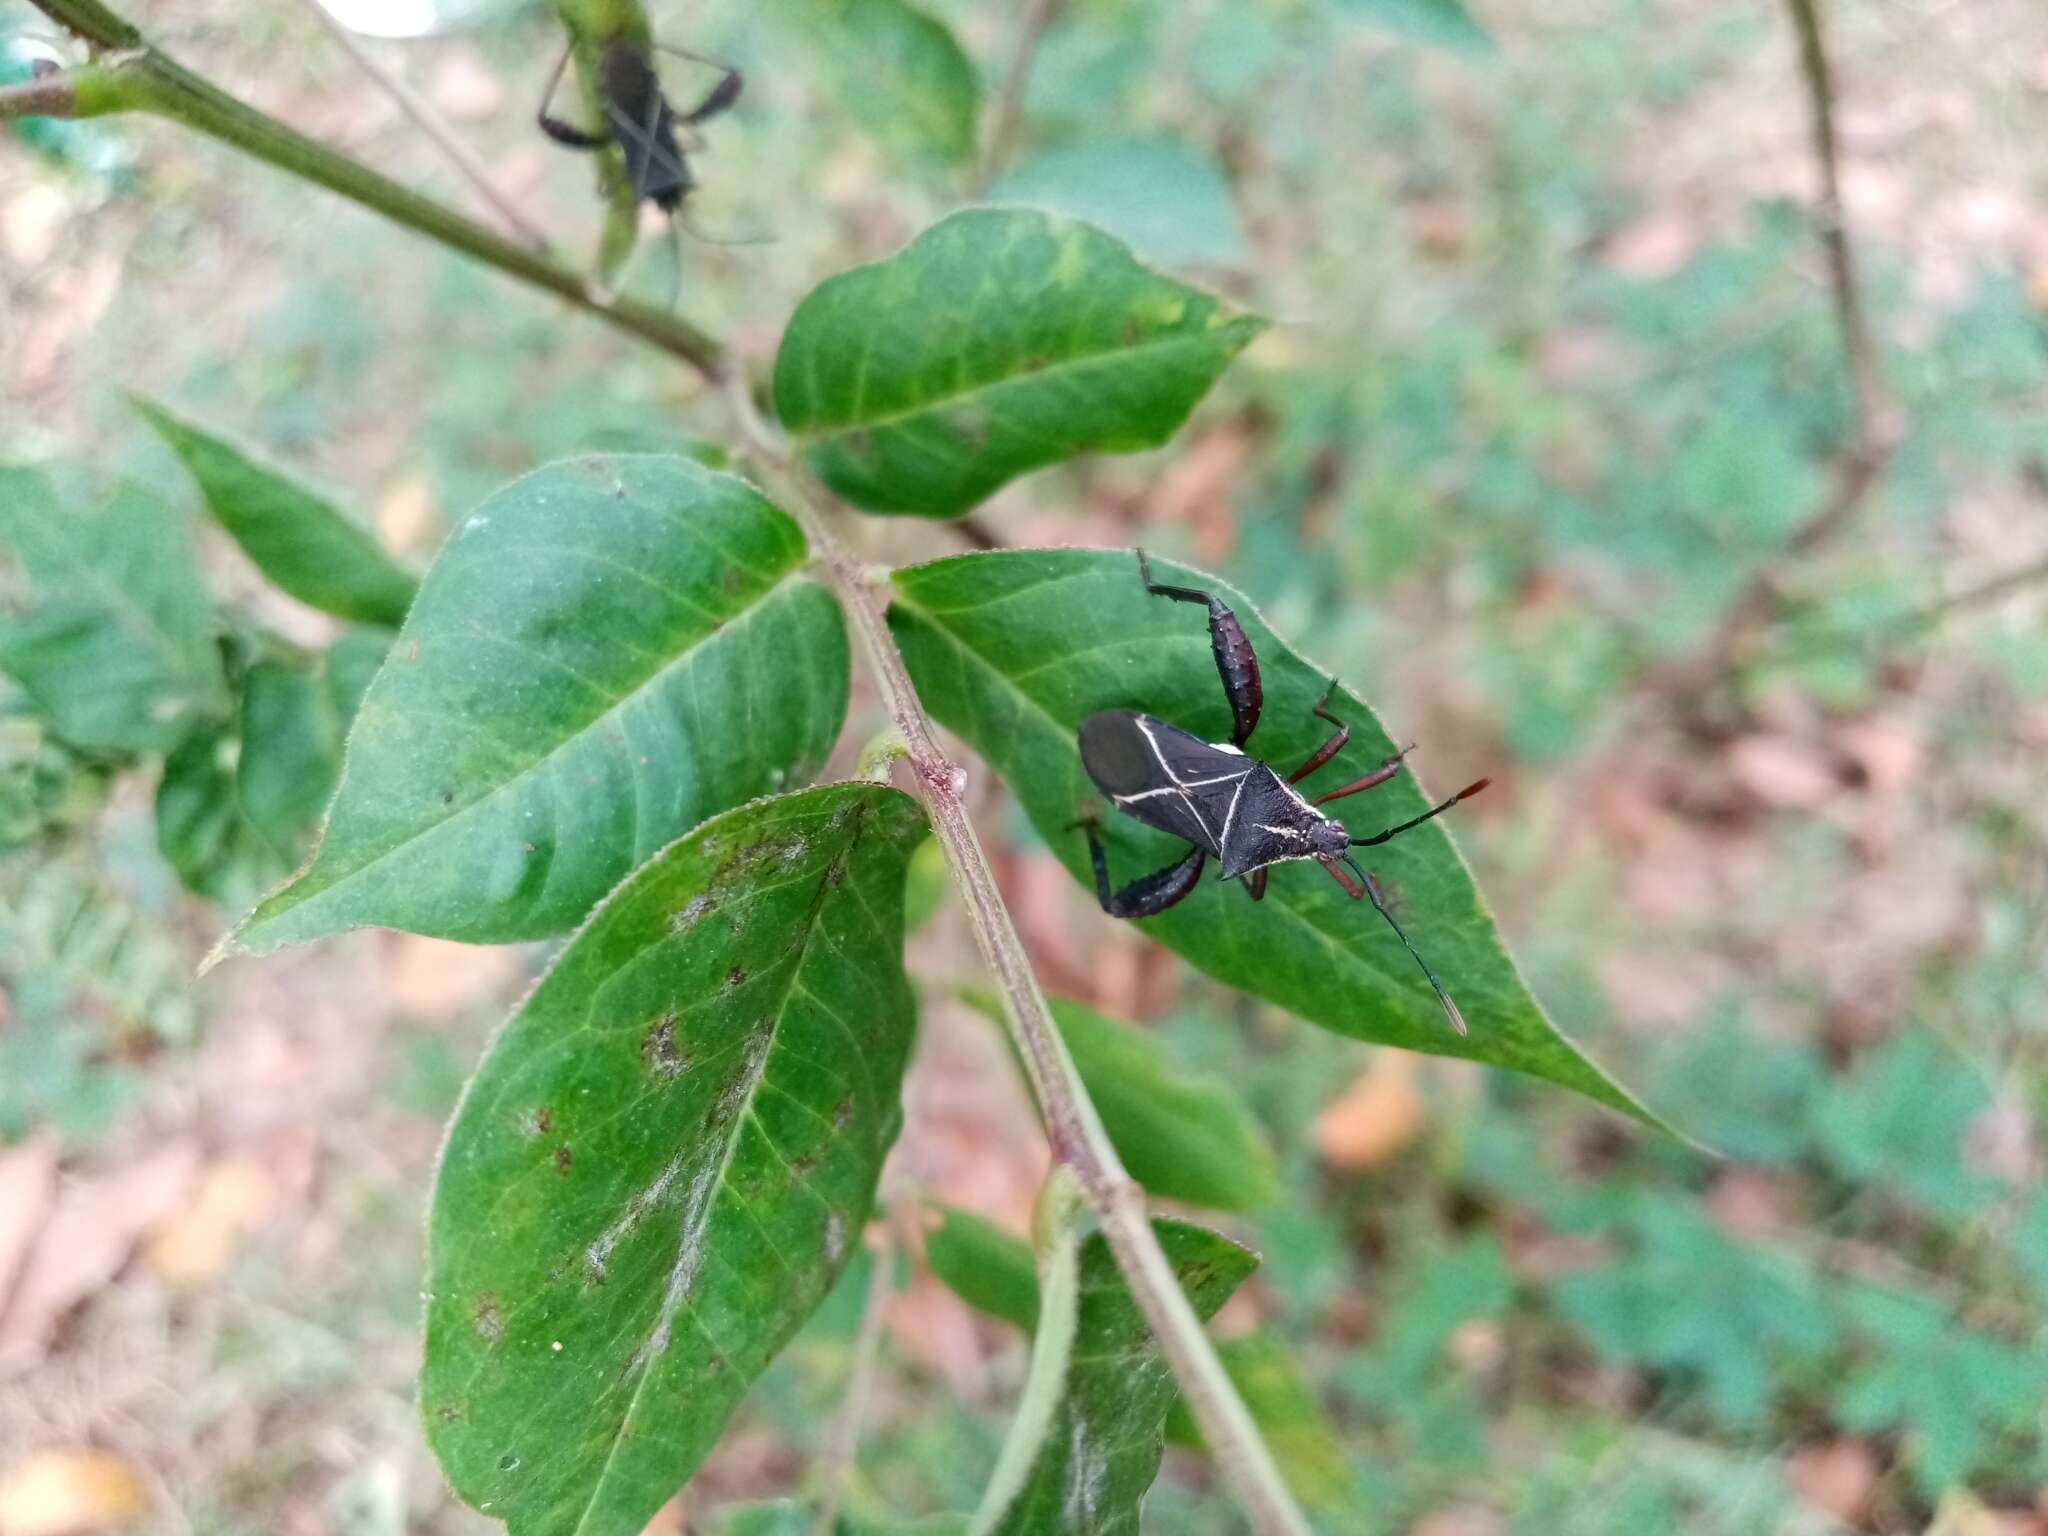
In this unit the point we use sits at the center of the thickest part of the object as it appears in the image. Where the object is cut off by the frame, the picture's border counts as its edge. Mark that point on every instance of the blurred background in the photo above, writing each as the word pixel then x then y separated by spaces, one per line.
pixel 1556 386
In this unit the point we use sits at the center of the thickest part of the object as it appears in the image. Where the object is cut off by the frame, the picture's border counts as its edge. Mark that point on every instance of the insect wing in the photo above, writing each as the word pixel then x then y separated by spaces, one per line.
pixel 644 125
pixel 1162 776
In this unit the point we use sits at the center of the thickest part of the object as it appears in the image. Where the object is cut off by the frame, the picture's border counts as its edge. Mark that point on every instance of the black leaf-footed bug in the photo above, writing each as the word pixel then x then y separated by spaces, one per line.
pixel 639 119
pixel 1227 805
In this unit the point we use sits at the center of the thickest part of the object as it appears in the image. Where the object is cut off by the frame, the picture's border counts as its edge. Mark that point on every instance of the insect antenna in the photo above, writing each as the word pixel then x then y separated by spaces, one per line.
pixel 683 221
pixel 1372 889
pixel 1415 821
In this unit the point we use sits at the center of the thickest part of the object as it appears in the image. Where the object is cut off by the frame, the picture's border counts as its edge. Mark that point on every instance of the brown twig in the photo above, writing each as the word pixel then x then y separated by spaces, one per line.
pixel 1009 108
pixel 1874 427
pixel 439 134
pixel 50 95
pixel 132 76
pixel 1072 1126
pixel 842 1441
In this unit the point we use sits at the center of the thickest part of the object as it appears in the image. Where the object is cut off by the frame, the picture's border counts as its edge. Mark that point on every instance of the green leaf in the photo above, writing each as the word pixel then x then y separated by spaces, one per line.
pixel 992 1272
pixel 1434 1299
pixel 984 1266
pixel 898 70
pixel 606 652
pixel 1290 1420
pixel 1188 1138
pixel 1951 1388
pixel 1742 1092
pixel 295 718
pixel 1691 1299
pixel 666 1159
pixel 297 539
pixel 1899 1120
pixel 113 636
pixel 200 828
pixel 1013 649
pixel 928 880
pixel 1446 22
pixel 999 341
pixel 1102 1447
pixel 1166 199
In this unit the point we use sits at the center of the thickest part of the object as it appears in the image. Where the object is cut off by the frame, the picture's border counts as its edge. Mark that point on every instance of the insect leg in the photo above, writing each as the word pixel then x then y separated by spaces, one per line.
pixel 1235 663
pixel 1255 883
pixel 1415 821
pixel 1328 749
pixel 720 98
pixel 1150 894
pixel 1386 770
pixel 565 134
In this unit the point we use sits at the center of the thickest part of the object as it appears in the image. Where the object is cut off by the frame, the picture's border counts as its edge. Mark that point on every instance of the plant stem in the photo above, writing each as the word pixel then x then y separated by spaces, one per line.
pixel 132 76
pixel 428 121
pixel 842 1444
pixel 1009 106
pixel 138 77
pixel 1072 1125
pixel 1874 427
pixel 47 96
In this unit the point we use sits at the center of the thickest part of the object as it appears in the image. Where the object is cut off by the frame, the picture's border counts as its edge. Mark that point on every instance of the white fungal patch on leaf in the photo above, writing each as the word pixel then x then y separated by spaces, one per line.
pixel 704 1182
pixel 1087 1467
pixel 597 1257
pixel 686 917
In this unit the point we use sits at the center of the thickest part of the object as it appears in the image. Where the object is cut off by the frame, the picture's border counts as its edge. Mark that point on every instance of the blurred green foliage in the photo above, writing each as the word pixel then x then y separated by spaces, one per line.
pixel 1484 449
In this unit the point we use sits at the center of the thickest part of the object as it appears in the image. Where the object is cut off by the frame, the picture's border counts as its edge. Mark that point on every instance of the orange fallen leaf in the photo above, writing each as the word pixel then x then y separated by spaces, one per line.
pixel 405 514
pixel 90 1233
pixel 1836 1477
pixel 1374 1118
pixel 1783 771
pixel 1460 1520
pixel 28 1178
pixel 233 1200
pixel 1657 247
pixel 434 979
pixel 58 1493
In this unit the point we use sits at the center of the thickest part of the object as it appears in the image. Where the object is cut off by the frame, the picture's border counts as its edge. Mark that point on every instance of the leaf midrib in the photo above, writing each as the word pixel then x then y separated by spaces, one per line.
pixel 794 577
pixel 1074 362
pixel 801 943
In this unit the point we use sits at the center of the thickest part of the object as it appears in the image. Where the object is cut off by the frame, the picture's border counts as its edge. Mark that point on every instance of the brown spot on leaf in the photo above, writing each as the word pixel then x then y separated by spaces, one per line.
pixel 562 1158
pixel 842 1112
pixel 659 1049
pixel 735 979
pixel 488 1317
pixel 537 1122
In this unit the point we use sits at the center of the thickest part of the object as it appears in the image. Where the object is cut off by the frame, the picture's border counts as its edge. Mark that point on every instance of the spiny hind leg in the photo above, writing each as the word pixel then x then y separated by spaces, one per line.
pixel 1235 663
pixel 1148 895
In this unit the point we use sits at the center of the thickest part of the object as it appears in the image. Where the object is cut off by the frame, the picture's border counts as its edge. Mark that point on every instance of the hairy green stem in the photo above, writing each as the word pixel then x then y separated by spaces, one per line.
pixel 133 76
pixel 429 122
pixel 1079 1141
pixel 130 75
